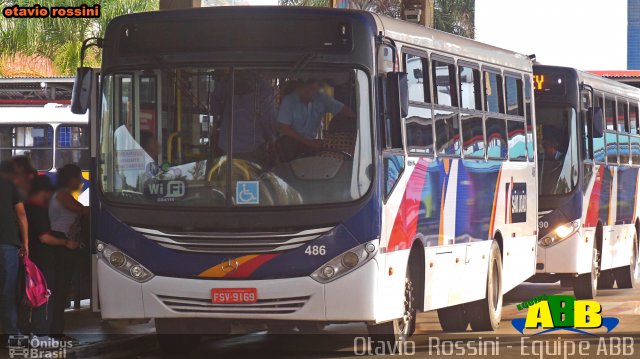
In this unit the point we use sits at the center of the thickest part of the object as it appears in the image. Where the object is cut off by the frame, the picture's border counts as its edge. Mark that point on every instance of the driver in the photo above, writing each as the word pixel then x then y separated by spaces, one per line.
pixel 300 117
pixel 552 148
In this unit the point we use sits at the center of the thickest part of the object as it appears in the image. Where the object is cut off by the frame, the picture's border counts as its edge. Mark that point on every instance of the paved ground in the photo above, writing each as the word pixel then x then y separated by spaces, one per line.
pixel 99 340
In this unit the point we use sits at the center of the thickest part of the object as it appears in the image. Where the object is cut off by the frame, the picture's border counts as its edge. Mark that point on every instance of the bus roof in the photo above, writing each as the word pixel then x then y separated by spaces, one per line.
pixel 599 83
pixel 48 114
pixel 446 43
pixel 398 30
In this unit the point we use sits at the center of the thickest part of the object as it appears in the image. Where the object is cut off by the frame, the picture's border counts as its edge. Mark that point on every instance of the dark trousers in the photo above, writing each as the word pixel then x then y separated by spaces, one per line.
pixel 290 149
pixel 9 269
pixel 65 266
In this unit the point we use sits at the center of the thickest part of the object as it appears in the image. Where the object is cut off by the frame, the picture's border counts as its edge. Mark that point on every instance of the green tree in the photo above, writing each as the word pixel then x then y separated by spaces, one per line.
pixel 453 16
pixel 60 39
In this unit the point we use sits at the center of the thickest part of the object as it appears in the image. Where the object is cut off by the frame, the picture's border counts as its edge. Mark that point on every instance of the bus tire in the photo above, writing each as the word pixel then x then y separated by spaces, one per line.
pixel 384 335
pixel 585 285
pixel 485 314
pixel 606 279
pixel 453 319
pixel 625 276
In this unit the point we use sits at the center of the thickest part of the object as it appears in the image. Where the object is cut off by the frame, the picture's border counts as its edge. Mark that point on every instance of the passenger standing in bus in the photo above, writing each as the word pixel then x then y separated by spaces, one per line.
pixel 253 118
pixel 43 243
pixel 65 213
pixel 14 242
pixel 300 118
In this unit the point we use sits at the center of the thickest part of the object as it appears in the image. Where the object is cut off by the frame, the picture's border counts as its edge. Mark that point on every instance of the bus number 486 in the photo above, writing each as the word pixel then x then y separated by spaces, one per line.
pixel 316 250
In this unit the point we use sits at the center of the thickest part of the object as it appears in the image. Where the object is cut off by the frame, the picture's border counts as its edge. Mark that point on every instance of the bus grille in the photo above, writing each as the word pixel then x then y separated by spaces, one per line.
pixel 248 242
pixel 262 306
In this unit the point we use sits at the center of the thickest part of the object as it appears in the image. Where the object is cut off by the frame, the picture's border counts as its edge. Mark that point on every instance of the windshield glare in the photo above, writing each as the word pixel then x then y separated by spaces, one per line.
pixel 557 149
pixel 235 137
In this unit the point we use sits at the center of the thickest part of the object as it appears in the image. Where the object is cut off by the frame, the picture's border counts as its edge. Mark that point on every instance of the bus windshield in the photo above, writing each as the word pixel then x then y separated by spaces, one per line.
pixel 214 136
pixel 557 149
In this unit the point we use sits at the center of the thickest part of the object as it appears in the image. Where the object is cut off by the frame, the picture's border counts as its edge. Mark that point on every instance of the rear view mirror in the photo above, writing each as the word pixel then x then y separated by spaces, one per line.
pixel 397 95
pixel 81 94
pixel 597 118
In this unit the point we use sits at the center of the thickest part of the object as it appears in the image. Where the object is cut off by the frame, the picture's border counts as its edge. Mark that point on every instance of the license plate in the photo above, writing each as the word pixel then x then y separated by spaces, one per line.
pixel 234 295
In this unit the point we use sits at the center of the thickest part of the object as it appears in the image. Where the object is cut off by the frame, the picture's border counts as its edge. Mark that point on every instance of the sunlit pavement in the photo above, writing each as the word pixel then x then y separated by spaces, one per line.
pixel 98 339
pixel 338 341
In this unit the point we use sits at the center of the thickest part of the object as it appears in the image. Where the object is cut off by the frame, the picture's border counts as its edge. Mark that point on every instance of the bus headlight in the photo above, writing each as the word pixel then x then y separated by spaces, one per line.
pixel 123 263
pixel 560 233
pixel 345 262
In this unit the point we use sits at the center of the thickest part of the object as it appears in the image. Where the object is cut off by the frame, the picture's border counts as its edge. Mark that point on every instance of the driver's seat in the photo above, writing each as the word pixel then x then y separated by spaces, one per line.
pixel 339 141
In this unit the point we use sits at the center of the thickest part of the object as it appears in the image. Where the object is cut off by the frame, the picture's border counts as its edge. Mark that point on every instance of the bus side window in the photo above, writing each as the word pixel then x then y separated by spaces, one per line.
pixel 598 143
pixel 419 122
pixel 417 69
pixel 514 96
pixel 529 117
pixel 496 138
pixel 633 130
pixel 611 137
pixel 517 143
pixel 493 92
pixel 444 83
pixel 623 130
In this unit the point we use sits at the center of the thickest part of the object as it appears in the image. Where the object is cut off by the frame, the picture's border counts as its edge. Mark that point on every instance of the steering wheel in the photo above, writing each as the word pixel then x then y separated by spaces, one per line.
pixel 346 155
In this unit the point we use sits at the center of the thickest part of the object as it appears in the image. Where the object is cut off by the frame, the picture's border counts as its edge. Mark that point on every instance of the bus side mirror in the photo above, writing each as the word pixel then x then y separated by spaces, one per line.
pixel 397 95
pixel 81 94
pixel 596 117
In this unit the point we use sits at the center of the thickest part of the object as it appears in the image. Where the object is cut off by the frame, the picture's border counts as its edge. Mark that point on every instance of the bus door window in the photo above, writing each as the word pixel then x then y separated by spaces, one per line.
pixel 611 136
pixel 623 131
pixel 35 142
pixel 72 146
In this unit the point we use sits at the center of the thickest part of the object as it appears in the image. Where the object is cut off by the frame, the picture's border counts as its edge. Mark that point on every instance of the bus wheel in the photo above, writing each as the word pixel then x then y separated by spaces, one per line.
pixel 606 279
pixel 625 276
pixel 453 319
pixel 586 284
pixel 485 314
pixel 385 335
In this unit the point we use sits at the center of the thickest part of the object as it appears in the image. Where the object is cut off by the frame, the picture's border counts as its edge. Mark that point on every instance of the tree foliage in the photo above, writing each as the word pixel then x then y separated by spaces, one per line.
pixel 453 16
pixel 59 40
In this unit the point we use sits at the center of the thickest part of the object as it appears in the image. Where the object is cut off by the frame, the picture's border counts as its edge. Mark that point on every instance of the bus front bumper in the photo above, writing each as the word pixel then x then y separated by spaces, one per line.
pixel 570 256
pixel 349 298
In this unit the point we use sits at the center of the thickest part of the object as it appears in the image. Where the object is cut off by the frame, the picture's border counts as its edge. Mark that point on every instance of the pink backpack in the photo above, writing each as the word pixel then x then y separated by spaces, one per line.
pixel 36 291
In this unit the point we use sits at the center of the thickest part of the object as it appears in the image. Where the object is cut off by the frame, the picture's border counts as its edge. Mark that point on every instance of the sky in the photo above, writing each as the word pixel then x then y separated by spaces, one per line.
pixel 586 34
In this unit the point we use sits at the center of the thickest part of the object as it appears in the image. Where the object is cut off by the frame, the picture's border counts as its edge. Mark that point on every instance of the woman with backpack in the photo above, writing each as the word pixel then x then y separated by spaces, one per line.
pixel 65 213
pixel 42 245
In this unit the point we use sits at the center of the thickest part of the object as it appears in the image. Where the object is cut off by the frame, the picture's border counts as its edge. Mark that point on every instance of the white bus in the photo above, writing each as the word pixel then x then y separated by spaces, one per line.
pixel 50 135
pixel 427 200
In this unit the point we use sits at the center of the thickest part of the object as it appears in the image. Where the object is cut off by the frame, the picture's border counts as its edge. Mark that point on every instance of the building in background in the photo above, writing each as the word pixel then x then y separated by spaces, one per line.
pixel 633 34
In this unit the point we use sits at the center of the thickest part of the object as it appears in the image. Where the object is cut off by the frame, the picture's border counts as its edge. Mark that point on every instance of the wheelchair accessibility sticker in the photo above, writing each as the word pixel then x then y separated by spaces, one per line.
pixel 248 192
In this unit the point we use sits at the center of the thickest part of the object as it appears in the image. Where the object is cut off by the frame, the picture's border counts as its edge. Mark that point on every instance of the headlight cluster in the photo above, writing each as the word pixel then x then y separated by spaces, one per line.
pixel 345 262
pixel 560 233
pixel 123 263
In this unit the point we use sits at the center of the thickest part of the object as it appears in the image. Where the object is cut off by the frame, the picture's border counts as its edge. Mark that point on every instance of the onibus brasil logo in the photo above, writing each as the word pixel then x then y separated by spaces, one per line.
pixel 563 312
